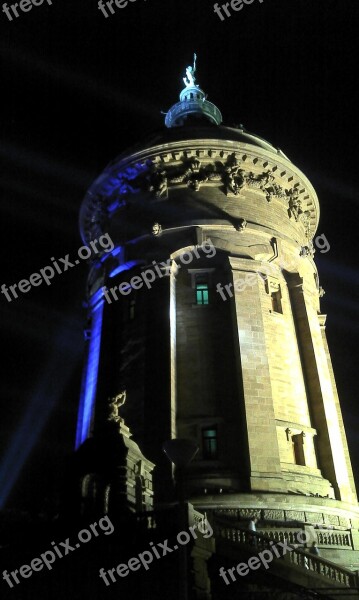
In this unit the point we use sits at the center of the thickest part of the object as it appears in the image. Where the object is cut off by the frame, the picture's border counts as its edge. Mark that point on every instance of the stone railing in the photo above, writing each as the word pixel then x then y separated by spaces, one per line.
pixel 281 534
pixel 298 557
pixel 195 107
pixel 342 540
pixel 339 539
pixel 326 537
pixel 323 567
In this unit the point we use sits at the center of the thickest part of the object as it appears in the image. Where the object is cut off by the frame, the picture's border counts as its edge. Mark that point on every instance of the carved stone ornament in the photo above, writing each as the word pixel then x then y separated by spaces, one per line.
pixel 233 177
pixel 250 512
pixel 314 517
pixel 158 182
pixel 242 224
pixel 304 217
pixel 274 191
pixel 193 174
pixel 307 250
pixel 272 285
pixel 156 176
pixel 321 292
pixel 295 515
pixel 115 405
pixel 261 181
pixel 273 515
pixel 156 229
pixel 294 205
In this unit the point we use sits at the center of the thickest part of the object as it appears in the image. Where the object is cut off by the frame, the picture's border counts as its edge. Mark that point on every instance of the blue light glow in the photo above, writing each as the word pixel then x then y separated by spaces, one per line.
pixel 41 401
pixel 89 381
pixel 126 267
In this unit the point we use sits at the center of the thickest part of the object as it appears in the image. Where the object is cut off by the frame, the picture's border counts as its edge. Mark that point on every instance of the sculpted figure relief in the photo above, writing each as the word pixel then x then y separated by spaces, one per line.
pixel 234 177
pixel 158 182
pixel 295 205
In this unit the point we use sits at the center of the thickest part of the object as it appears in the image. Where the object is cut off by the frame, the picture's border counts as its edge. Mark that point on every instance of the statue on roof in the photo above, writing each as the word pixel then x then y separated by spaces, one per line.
pixel 190 79
pixel 114 406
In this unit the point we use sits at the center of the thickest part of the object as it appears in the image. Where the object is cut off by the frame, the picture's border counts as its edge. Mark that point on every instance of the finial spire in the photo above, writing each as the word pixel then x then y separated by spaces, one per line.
pixel 193 102
pixel 190 80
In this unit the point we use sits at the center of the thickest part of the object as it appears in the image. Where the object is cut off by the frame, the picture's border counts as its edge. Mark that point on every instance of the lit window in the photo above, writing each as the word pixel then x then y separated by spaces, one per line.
pixel 209 443
pixel 201 283
pixel 202 293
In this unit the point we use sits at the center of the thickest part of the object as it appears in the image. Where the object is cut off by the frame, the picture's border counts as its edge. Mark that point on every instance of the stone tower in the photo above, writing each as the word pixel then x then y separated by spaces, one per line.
pixel 207 312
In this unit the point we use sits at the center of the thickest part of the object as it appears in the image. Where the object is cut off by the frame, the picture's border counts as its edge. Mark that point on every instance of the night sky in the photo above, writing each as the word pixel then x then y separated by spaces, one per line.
pixel 77 89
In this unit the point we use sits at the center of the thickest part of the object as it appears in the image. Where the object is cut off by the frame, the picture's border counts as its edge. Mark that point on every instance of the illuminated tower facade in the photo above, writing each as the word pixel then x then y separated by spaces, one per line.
pixel 207 314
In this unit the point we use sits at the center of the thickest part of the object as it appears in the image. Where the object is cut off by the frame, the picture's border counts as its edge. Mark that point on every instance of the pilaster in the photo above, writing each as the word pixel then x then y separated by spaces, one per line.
pixel 264 459
pixel 324 408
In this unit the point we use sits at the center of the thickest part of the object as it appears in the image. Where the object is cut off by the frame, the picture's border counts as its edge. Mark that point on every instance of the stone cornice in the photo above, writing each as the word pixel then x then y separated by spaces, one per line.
pixel 232 167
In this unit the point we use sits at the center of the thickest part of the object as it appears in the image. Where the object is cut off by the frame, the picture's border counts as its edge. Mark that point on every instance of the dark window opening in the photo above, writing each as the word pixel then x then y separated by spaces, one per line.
pixel 139 491
pixel 209 443
pixel 277 302
pixel 298 449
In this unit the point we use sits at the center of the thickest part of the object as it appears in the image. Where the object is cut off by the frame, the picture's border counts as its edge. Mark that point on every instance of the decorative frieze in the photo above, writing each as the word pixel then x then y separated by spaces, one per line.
pixel 232 172
pixel 158 182
pixel 233 177
pixel 312 517
pixel 332 519
pixel 295 515
pixel 273 515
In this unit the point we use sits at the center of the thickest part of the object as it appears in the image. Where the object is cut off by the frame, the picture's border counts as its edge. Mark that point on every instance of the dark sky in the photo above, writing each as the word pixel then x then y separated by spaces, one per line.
pixel 77 89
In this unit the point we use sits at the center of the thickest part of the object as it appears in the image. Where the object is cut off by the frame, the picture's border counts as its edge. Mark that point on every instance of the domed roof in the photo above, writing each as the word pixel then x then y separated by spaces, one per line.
pixel 194 118
pixel 199 128
pixel 195 148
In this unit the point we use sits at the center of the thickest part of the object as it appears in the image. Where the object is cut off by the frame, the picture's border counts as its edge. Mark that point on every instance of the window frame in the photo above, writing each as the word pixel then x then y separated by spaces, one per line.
pixel 207 276
pixel 209 450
